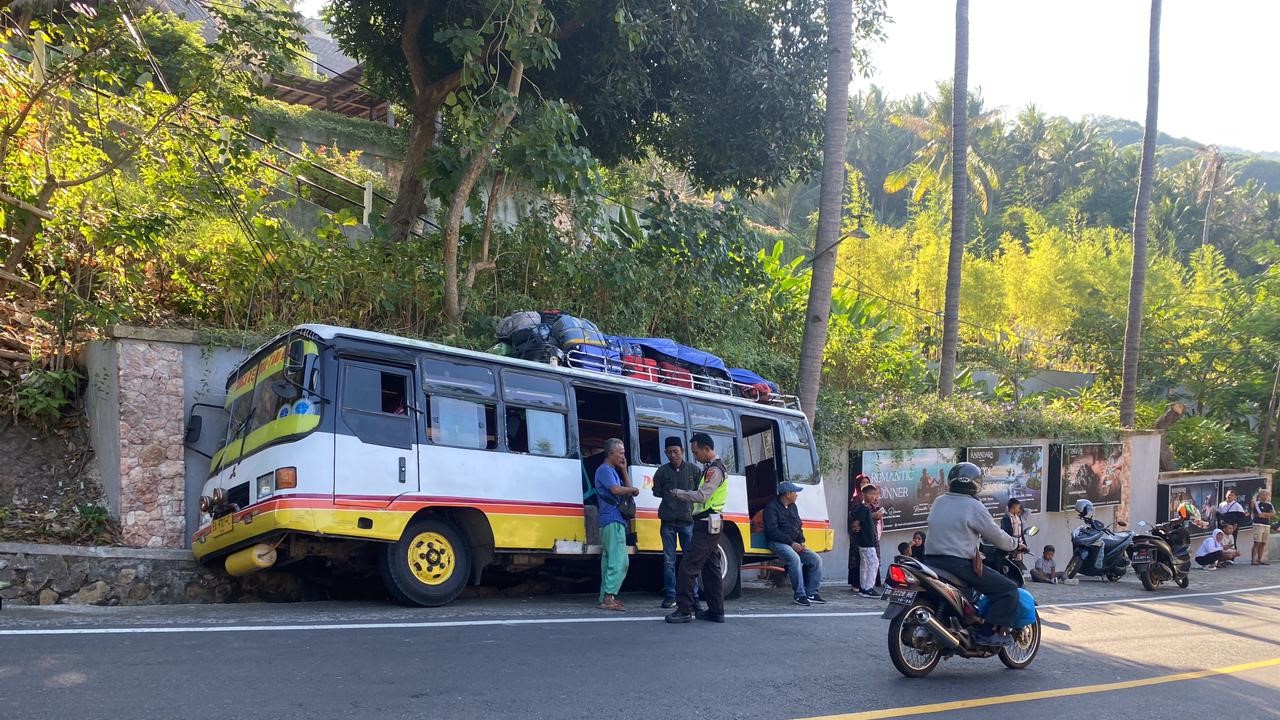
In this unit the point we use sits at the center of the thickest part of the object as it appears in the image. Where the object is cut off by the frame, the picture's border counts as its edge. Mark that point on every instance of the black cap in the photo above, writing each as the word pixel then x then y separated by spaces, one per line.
pixel 673 441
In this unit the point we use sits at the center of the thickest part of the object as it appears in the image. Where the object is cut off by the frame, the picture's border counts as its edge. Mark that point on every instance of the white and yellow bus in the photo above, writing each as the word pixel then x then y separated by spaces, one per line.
pixel 448 460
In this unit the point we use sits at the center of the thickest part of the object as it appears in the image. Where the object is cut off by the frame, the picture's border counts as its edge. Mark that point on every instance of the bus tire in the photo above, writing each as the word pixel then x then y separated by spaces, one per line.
pixel 428 566
pixel 731 555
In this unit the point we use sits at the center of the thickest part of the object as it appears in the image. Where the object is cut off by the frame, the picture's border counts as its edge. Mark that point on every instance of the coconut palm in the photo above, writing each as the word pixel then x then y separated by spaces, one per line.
pixel 1141 216
pixel 931 168
pixel 961 158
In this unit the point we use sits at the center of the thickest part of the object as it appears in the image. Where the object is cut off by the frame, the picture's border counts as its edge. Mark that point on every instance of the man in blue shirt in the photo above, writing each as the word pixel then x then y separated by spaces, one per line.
pixel 612 485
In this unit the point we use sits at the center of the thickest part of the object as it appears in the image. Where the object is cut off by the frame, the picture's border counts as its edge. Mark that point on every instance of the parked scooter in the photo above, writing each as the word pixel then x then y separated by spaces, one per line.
pixel 1163 554
pixel 1009 564
pixel 1093 537
pixel 933 614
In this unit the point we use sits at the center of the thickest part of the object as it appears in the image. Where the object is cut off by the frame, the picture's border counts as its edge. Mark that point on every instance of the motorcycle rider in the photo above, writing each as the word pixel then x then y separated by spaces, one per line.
pixel 957 521
pixel 1094 535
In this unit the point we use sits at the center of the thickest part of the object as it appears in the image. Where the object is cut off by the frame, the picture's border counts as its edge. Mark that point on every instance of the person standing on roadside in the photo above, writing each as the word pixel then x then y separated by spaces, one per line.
pixel 612 485
pixel 675 516
pixel 1263 513
pixel 703 557
pixel 864 537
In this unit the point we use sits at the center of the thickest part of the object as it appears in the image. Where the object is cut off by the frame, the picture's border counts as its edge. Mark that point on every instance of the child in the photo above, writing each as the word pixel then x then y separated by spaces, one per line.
pixel 904 548
pixel 1214 551
pixel 864 528
pixel 1045 570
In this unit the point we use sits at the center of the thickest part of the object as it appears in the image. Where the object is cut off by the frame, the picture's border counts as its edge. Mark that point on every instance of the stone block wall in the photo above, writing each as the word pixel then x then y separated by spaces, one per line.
pixel 152 474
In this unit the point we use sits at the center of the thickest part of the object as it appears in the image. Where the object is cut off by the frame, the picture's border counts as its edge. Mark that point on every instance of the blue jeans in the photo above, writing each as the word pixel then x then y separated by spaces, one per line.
pixel 803 583
pixel 669 534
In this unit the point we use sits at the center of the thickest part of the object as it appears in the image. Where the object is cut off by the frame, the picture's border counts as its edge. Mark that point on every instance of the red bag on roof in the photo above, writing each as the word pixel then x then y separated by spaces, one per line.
pixel 673 374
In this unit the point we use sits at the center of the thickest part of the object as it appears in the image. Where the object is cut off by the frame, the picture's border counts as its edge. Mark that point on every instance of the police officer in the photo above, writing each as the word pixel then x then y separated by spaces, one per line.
pixel 703 556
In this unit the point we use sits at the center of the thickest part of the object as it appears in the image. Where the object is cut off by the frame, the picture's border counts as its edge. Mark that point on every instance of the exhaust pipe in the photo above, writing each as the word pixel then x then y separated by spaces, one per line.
pixel 251 559
pixel 926 618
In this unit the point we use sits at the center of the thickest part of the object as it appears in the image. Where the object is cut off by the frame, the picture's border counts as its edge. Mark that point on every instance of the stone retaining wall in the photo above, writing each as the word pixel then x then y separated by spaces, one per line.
pixel 33 574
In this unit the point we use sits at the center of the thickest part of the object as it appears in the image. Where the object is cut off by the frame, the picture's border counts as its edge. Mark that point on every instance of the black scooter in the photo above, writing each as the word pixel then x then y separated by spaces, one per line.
pixel 1163 554
pixel 1009 564
pixel 1084 555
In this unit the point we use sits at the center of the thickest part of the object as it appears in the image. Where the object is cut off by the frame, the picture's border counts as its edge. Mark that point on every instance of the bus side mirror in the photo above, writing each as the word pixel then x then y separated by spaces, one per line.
pixel 285 390
pixel 195 424
pixel 295 362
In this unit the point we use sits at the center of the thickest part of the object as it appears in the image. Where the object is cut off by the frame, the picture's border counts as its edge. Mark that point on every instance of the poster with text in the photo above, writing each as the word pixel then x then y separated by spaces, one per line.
pixel 909 480
pixel 1204 494
pixel 1091 472
pixel 1010 472
pixel 1245 490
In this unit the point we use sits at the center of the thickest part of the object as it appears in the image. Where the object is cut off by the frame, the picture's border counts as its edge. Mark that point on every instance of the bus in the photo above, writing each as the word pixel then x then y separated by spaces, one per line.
pixel 443 461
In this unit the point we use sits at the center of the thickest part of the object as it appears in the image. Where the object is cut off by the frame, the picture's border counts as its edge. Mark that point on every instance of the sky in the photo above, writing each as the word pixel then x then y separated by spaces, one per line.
pixel 1218 74
pixel 1218 61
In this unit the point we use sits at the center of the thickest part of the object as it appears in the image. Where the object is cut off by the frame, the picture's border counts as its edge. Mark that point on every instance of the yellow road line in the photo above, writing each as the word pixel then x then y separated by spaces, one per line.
pixel 1047 694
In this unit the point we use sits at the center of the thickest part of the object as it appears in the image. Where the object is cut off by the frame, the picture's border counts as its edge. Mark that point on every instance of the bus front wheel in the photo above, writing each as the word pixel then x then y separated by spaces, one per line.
pixel 731 565
pixel 428 566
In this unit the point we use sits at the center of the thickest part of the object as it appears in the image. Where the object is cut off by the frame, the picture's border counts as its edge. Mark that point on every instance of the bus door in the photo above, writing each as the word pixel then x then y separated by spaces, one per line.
pixel 375 448
pixel 762 458
pixel 601 414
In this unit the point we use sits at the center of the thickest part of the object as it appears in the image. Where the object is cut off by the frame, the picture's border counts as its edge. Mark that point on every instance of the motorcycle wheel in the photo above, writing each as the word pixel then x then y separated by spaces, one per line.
pixel 1149 582
pixel 1073 567
pixel 1184 581
pixel 906 657
pixel 1024 648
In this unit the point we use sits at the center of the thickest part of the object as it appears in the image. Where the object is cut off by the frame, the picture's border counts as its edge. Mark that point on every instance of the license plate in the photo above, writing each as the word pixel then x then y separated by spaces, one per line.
pixel 222 525
pixel 900 597
pixel 1142 556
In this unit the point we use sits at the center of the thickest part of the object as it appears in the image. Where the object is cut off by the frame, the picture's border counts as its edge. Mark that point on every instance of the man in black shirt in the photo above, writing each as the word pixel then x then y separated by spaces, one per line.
pixel 785 533
pixel 675 516
pixel 863 526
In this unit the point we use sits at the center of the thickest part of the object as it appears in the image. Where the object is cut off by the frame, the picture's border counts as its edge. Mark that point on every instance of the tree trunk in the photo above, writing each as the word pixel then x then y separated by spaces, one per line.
pixel 1216 161
pixel 412 192
pixel 830 204
pixel 27 235
pixel 1141 218
pixel 1171 415
pixel 959 202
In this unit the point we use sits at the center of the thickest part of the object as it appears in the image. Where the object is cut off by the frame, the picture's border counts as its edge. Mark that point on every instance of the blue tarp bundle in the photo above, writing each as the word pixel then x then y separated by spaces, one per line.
pixel 671 348
pixel 746 377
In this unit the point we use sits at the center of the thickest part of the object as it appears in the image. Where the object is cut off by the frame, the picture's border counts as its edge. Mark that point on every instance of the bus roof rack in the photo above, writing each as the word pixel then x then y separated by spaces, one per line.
pixel 686 379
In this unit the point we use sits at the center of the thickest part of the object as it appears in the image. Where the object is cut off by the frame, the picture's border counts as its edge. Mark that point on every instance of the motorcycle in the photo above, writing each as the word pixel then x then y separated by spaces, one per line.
pixel 1163 554
pixel 1115 549
pixel 933 614
pixel 1009 564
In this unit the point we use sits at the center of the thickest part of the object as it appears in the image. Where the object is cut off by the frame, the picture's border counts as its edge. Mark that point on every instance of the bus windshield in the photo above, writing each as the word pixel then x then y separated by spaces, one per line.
pixel 271 401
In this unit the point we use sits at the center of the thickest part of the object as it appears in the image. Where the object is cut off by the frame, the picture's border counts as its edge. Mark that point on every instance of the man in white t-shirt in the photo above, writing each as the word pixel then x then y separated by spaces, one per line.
pixel 1213 552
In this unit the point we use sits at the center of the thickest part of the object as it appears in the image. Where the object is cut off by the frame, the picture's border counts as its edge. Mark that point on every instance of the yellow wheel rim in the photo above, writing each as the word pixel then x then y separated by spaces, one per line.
pixel 431 558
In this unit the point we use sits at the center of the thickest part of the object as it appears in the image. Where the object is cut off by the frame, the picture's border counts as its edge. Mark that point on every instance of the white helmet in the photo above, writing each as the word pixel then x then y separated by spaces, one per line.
pixel 1084 508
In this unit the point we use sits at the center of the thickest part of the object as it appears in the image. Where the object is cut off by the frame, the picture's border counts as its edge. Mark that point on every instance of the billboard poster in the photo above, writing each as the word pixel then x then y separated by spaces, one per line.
pixel 909 480
pixel 1010 472
pixel 1204 494
pixel 1091 472
pixel 1245 489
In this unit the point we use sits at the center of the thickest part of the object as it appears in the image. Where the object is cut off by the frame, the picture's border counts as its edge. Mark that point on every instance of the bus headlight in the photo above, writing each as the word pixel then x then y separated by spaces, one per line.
pixel 266 485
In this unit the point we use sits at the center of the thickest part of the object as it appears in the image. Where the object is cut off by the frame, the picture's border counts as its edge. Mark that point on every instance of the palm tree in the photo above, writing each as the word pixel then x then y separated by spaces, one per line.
pixel 1141 216
pixel 959 200
pixel 931 169
pixel 831 202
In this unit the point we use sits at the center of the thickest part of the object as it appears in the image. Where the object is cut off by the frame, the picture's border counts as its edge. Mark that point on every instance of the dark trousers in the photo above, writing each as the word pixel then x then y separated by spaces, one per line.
pixel 1211 558
pixel 702 559
pixel 1000 590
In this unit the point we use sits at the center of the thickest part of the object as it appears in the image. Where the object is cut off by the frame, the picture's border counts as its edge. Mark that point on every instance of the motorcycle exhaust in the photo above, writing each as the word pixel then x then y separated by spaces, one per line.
pixel 926 618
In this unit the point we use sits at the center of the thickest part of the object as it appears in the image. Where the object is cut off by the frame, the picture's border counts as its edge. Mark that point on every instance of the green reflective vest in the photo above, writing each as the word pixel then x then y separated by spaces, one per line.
pixel 715 503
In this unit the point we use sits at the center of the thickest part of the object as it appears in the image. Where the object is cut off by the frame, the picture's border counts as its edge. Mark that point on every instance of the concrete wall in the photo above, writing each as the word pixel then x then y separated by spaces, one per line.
pixel 1142 449
pixel 102 405
pixel 204 370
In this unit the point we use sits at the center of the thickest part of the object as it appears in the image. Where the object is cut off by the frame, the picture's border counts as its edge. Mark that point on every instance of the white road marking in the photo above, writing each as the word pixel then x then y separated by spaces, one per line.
pixel 552 621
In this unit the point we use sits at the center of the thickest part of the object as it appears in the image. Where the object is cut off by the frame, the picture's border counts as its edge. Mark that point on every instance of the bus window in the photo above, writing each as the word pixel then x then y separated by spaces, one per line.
pixel 659 409
pixel 726 448
pixel 710 417
pixel 462 423
pixel 538 432
pixel 795 433
pixel 800 465
pixel 459 378
pixel 653 442
pixel 533 390
pixel 375 391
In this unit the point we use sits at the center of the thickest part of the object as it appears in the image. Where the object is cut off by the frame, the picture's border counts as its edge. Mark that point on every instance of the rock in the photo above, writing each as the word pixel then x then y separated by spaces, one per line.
pixel 138 593
pixel 70 582
pixel 11 593
pixel 48 597
pixel 4 564
pixel 127 575
pixel 95 594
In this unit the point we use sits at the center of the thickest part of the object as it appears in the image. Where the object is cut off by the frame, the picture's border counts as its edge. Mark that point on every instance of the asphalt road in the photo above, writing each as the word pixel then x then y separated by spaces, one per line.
pixel 560 658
